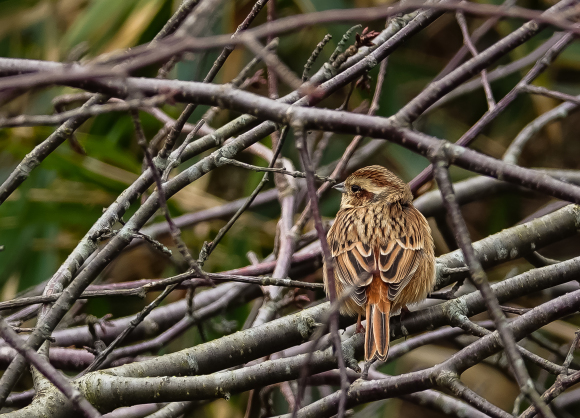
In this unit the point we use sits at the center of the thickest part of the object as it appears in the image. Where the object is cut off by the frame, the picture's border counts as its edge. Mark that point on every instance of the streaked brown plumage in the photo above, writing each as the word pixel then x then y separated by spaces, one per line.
pixel 381 245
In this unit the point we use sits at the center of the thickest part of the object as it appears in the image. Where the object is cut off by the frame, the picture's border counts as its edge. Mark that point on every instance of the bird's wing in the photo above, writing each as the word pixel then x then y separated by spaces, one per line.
pixel 355 261
pixel 354 267
pixel 400 257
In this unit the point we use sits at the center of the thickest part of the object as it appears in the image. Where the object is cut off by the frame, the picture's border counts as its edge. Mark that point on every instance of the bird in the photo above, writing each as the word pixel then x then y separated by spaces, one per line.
pixel 383 253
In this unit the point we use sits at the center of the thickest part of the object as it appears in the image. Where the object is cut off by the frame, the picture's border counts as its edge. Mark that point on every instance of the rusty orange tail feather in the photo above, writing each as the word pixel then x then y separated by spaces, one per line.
pixel 378 311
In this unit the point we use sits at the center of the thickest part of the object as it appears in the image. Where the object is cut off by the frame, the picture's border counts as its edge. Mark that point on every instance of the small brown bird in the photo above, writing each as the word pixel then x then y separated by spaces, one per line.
pixel 383 252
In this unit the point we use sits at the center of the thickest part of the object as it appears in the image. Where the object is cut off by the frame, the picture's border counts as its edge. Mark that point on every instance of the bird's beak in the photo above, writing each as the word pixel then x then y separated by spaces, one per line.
pixel 340 187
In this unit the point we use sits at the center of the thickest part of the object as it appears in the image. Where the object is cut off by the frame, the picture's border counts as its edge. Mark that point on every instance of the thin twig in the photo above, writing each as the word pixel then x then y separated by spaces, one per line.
pixel 563 381
pixel 141 291
pixel 295 174
pixel 340 167
pixel 273 62
pixel 209 247
pixel 475 37
pixel 472 133
pixel 102 356
pixel 478 277
pixel 516 147
pixel 175 159
pixel 314 56
pixel 551 93
pixel 44 367
pixel 217 65
pixel 178 17
pixel 328 262
pixel 468 42
pixel 84 112
pixel 174 230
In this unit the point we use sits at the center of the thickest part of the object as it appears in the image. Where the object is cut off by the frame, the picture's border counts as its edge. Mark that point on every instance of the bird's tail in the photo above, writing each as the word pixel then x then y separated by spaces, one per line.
pixel 377 330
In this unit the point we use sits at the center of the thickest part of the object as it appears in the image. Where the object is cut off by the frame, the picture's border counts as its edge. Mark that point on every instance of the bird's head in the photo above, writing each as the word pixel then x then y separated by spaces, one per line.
pixel 373 184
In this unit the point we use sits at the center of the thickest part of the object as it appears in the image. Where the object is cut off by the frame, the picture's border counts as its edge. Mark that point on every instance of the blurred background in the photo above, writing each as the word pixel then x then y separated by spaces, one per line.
pixel 43 221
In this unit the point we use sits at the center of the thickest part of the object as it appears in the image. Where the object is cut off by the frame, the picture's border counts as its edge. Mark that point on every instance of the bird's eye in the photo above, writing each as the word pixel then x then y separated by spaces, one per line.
pixel 355 188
